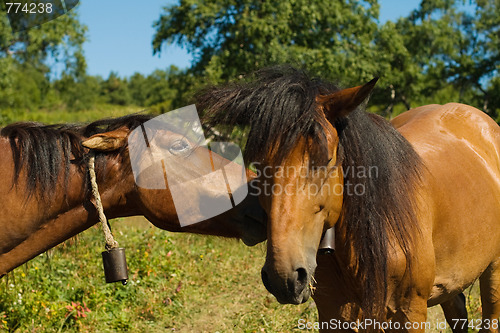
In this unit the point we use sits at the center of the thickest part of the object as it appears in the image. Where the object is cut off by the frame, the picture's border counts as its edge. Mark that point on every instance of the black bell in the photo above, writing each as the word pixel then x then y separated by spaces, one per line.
pixel 115 265
pixel 327 244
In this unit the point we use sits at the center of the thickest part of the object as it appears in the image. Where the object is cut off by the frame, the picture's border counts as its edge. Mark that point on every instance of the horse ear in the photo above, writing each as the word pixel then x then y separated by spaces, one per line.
pixel 341 103
pixel 107 141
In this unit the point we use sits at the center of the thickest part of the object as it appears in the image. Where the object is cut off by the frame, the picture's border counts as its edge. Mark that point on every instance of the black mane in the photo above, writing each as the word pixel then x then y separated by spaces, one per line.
pixel 44 151
pixel 280 107
pixel 280 103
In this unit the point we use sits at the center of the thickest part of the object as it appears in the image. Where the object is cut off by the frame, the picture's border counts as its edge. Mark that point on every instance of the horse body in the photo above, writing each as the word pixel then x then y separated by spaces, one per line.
pixel 459 217
pixel 460 147
pixel 46 202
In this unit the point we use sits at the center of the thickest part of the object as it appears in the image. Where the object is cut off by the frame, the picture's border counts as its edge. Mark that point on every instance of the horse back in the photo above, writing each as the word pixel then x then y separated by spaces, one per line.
pixel 460 121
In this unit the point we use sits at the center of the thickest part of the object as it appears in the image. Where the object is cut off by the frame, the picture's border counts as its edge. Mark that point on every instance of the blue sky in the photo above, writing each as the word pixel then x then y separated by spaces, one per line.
pixel 120 34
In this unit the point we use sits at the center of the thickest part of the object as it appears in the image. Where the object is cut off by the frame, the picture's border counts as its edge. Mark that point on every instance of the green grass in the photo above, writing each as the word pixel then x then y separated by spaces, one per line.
pixel 178 282
pixel 63 116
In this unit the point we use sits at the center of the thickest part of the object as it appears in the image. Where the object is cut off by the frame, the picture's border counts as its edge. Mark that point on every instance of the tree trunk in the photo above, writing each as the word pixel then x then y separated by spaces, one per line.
pixel 405 102
pixel 388 110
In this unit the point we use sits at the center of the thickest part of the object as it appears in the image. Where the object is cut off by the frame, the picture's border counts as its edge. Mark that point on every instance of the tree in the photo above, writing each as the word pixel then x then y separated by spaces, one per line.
pixel 24 56
pixel 412 53
pixel 138 89
pixel 79 93
pixel 168 89
pixel 158 88
pixel 477 65
pixel 115 90
pixel 234 37
pixel 440 53
pixel 494 99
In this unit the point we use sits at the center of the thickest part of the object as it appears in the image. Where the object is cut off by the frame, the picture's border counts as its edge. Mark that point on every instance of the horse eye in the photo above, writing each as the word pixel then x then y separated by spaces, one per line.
pixel 178 147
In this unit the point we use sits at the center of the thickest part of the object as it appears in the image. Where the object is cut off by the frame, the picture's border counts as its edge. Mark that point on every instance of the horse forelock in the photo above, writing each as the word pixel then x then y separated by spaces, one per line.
pixel 279 106
pixel 46 151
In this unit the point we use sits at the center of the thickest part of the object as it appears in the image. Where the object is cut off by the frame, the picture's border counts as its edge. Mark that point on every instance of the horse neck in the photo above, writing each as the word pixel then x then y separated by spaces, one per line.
pixel 114 184
pixel 342 268
pixel 116 187
pixel 65 213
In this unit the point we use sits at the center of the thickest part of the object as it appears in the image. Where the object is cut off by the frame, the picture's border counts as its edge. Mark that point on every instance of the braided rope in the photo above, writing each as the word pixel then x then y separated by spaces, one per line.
pixel 110 241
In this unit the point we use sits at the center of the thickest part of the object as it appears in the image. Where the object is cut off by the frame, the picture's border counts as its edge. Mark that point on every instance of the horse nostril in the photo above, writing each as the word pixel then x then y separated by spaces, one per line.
pixel 298 281
pixel 265 279
pixel 302 276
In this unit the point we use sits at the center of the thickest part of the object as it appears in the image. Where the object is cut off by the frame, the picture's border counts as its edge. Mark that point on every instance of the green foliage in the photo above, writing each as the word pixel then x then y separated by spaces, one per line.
pixel 438 53
pixel 438 50
pixel 230 38
pixel 25 58
pixel 138 88
pixel 414 53
pixel 158 88
pixel 457 48
pixel 115 90
pixel 493 94
pixel 163 90
pixel 23 86
pixel 79 93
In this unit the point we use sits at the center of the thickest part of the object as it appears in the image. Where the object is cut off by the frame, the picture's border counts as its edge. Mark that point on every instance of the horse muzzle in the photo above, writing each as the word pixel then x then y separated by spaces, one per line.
pixel 290 289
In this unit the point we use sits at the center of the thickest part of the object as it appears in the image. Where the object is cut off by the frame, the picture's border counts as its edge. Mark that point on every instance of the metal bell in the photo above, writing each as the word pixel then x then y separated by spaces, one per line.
pixel 115 265
pixel 327 244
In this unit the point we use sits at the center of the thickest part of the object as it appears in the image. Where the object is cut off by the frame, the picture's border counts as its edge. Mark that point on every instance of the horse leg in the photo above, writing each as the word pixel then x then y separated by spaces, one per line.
pixel 454 309
pixel 489 283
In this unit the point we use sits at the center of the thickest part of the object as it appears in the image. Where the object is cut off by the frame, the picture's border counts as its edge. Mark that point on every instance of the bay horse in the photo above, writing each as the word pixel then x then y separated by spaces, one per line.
pixel 45 190
pixel 415 203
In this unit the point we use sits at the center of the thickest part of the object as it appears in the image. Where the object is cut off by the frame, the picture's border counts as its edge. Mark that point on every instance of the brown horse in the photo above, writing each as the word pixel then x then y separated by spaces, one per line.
pixel 45 192
pixel 415 204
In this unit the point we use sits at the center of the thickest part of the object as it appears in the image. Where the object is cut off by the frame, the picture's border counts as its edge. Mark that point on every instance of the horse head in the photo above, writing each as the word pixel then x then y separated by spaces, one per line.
pixel 189 171
pixel 303 200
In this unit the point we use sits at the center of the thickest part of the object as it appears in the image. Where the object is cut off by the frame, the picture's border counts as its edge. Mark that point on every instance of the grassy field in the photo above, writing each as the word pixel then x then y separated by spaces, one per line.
pixel 178 282
pixel 63 116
